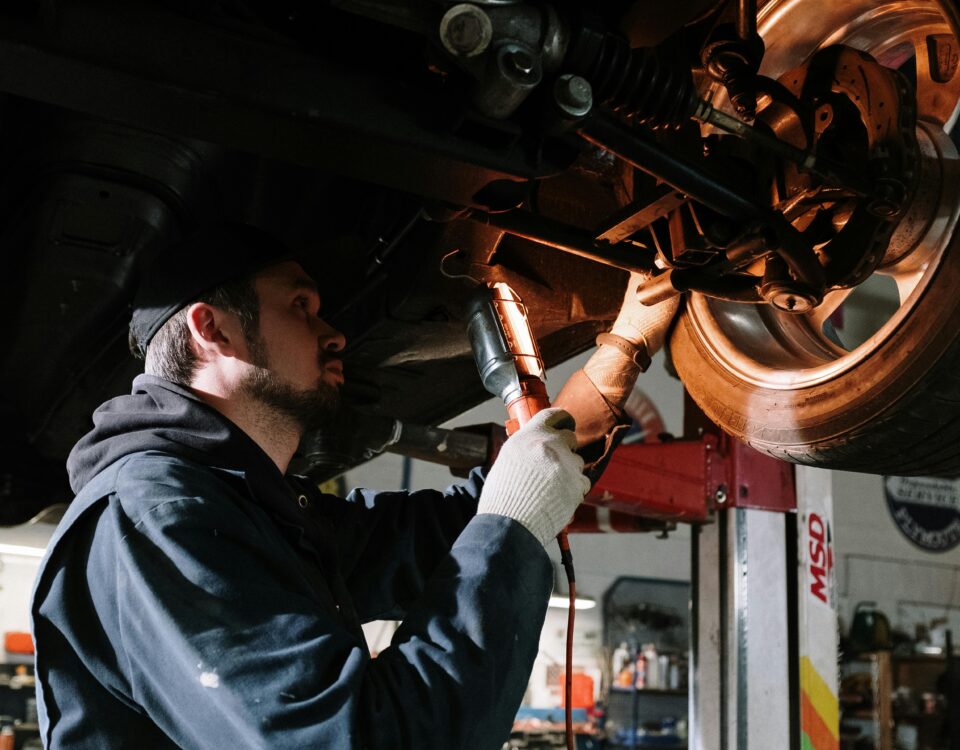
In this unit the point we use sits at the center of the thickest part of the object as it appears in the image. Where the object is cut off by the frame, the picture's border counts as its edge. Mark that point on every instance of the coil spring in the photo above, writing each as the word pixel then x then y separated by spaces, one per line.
pixel 640 84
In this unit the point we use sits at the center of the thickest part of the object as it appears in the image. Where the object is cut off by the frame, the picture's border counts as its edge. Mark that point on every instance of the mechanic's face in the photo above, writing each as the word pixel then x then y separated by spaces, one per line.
pixel 295 368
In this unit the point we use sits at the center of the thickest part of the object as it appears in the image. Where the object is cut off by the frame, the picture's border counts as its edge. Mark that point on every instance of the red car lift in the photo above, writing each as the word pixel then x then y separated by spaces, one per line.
pixel 763 666
pixel 763 660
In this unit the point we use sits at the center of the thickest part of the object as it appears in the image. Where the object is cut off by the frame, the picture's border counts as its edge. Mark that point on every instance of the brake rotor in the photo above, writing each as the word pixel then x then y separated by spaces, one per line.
pixel 851 111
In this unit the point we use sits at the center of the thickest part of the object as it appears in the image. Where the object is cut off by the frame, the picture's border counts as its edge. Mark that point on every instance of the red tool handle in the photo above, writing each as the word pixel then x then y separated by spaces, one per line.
pixel 521 410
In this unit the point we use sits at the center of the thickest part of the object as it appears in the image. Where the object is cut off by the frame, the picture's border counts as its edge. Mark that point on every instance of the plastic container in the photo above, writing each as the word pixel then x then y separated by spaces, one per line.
pixel 653 666
pixel 17 643
pixel 621 658
pixel 581 690
pixel 870 630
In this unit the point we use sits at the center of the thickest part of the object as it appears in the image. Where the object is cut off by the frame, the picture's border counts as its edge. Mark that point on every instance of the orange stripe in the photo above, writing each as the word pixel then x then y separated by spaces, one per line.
pixel 824 699
pixel 814 727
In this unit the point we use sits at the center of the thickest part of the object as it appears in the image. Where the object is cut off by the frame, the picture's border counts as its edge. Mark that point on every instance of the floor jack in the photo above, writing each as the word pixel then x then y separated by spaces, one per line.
pixel 764 641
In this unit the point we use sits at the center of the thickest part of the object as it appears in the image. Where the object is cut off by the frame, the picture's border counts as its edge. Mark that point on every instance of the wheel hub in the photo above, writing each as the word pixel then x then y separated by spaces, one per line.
pixel 859 115
pixel 769 346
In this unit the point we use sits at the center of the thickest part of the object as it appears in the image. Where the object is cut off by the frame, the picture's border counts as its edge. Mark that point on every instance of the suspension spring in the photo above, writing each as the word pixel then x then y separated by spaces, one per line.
pixel 641 85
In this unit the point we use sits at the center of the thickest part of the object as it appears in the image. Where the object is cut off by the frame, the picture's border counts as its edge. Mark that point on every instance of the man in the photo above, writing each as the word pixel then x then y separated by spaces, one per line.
pixel 194 596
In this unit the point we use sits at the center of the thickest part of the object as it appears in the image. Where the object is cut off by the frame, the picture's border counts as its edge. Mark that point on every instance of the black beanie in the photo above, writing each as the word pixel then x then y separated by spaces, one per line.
pixel 209 257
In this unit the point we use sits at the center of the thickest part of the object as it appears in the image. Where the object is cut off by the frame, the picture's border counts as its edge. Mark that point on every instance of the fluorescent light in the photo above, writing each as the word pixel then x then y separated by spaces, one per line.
pixel 22 550
pixel 563 602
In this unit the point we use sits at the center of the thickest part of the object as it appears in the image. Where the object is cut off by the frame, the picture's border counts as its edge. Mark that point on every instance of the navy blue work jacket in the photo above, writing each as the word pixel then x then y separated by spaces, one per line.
pixel 178 607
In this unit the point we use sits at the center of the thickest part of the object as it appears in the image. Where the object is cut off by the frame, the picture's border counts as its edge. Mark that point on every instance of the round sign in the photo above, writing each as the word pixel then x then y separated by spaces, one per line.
pixel 926 510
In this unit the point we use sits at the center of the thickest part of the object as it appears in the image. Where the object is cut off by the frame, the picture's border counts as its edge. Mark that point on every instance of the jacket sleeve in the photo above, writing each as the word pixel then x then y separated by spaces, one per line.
pixel 390 543
pixel 225 646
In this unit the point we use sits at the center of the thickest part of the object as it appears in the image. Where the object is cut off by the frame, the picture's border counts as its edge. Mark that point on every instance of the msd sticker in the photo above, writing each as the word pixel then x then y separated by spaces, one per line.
pixel 820 558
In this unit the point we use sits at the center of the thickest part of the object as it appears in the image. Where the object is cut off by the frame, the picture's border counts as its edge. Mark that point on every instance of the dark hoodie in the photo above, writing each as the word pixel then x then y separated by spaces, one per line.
pixel 194 597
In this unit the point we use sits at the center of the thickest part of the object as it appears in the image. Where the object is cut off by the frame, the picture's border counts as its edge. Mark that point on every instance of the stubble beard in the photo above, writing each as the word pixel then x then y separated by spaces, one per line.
pixel 311 408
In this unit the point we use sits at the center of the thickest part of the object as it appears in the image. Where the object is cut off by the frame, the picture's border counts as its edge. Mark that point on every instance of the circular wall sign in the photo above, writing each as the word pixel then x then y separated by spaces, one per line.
pixel 926 510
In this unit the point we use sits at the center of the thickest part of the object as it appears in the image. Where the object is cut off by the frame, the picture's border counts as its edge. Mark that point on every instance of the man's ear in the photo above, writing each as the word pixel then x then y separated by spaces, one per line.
pixel 213 331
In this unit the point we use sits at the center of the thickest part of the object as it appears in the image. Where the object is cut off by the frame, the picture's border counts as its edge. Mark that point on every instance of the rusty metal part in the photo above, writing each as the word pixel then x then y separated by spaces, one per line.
pixel 635 217
pixel 685 175
pixel 885 101
pixel 685 244
pixel 566 238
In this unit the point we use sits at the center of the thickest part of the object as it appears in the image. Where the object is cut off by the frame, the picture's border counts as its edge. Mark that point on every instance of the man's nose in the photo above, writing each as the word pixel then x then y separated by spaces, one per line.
pixel 330 337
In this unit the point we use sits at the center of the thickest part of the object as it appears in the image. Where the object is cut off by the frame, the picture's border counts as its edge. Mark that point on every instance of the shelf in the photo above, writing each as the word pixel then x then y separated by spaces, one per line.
pixel 646 691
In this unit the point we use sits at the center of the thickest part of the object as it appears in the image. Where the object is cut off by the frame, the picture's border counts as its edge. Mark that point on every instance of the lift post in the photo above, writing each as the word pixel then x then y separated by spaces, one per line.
pixel 763 667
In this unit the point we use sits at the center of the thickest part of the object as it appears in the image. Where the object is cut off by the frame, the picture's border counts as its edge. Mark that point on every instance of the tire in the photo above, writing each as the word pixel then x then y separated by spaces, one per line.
pixel 888 406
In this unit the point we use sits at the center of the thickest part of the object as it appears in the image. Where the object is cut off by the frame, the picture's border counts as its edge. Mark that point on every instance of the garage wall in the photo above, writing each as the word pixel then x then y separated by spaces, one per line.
pixel 876 562
pixel 17 574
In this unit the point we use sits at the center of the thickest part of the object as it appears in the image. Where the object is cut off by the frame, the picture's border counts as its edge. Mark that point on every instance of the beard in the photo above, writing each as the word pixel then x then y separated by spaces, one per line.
pixel 311 408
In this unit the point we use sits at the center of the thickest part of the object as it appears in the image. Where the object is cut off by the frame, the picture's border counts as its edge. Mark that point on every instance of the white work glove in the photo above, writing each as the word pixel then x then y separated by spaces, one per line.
pixel 609 369
pixel 537 479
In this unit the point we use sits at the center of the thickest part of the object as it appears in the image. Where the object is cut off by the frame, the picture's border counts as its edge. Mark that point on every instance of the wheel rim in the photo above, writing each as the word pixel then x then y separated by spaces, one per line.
pixel 782 351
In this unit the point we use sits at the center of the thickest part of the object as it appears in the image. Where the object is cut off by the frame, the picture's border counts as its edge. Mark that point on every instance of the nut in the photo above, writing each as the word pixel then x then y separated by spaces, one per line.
pixel 465 30
pixel 573 95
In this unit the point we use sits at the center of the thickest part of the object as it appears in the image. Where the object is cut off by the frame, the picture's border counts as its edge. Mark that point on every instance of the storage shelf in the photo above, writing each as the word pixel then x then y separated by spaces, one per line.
pixel 647 691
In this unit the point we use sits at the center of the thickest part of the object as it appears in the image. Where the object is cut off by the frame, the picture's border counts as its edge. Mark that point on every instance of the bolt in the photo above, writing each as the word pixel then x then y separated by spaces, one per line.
pixel 888 196
pixel 721 495
pixel 792 303
pixel 465 30
pixel 573 95
pixel 520 60
pixel 789 297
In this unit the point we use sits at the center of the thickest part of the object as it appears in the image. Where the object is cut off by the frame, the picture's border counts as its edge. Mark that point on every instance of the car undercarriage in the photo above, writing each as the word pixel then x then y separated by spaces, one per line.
pixel 764 162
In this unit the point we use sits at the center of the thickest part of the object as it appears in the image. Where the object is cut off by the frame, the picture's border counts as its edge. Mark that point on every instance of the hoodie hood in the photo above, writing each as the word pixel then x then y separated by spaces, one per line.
pixel 161 416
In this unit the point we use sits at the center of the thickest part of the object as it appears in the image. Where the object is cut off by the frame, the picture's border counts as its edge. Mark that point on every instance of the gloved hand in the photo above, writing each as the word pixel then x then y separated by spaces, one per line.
pixel 612 371
pixel 537 479
pixel 644 323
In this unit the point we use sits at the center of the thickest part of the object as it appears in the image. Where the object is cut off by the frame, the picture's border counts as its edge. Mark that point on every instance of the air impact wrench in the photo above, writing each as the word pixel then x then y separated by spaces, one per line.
pixel 510 367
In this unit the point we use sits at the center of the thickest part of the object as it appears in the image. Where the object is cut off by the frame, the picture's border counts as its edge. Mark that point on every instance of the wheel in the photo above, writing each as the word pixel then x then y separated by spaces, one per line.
pixel 887 400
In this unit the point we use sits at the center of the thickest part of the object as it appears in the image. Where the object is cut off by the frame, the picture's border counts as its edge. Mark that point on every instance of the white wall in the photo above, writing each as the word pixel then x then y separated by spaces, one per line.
pixel 876 562
pixel 16 586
